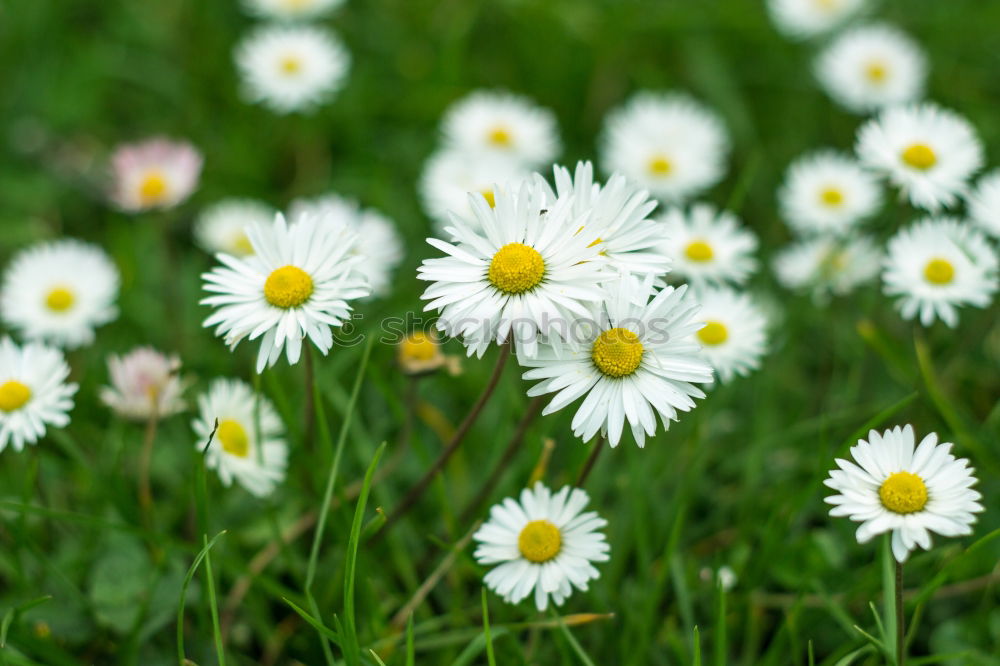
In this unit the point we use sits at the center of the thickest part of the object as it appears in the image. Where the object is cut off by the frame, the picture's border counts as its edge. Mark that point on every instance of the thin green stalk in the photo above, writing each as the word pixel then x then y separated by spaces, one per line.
pixel 181 658
pixel 889 594
pixel 490 657
pixel 213 604
pixel 900 618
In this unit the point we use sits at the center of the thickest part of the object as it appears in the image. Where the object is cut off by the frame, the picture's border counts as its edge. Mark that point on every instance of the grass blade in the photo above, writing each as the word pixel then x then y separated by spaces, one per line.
pixel 491 659
pixel 571 639
pixel 184 588
pixel 213 604
pixel 314 623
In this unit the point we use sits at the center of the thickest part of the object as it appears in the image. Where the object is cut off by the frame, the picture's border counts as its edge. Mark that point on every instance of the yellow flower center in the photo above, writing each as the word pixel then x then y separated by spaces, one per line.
pixel 233 438
pixel 13 395
pixel 617 352
pixel 877 72
pixel 939 271
pixel 660 166
pixel 241 244
pixel 288 287
pixel 59 299
pixel 831 196
pixel 903 492
pixel 490 197
pixel 153 188
pixel 516 268
pixel 699 250
pixel 539 541
pixel 500 137
pixel 920 156
pixel 291 65
pixel 297 4
pixel 418 346
pixel 714 333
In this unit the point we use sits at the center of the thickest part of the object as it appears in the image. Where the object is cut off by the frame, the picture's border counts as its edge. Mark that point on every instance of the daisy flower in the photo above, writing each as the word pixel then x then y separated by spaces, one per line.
pixel 938 265
pixel 828 266
pixel 667 143
pixel 291 10
pixel 544 544
pixel 154 174
pixel 734 337
pixel 144 384
pixel 893 487
pixel 296 284
pixel 827 193
pixel 708 246
pixel 419 353
pixel 617 218
pixel 503 124
pixel 984 203
pixel 33 392
pixel 528 274
pixel 291 68
pixel 872 67
pixel 630 360
pixel 222 226
pixel 59 292
pixel 802 19
pixel 928 152
pixel 249 444
pixel 449 177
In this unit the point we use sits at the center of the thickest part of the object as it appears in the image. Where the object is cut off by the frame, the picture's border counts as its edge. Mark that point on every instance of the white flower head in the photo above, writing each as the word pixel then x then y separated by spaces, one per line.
pixel 292 68
pixel 291 10
pixel 708 246
pixel 984 203
pixel 872 67
pixel 802 19
pixel 890 486
pixel 34 393
pixel 222 227
pixel 544 544
pixel 145 383
pixel 930 153
pixel 634 358
pixel 667 143
pixel 827 266
pixel 249 444
pixel 734 337
pixel 295 285
pixel 59 292
pixel 501 124
pixel 827 193
pixel 154 174
pixel 937 265
pixel 526 275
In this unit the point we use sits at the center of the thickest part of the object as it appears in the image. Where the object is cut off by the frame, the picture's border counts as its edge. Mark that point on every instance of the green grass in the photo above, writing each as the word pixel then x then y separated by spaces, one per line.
pixel 736 483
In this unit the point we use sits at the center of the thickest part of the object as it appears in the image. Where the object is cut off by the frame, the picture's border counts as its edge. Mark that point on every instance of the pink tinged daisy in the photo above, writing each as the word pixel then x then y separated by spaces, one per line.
pixel 634 358
pixel 890 486
pixel 295 285
pixel 34 393
pixel 928 152
pixel 145 383
pixel 708 246
pixel 544 545
pixel 59 292
pixel 938 265
pixel 524 275
pixel 154 174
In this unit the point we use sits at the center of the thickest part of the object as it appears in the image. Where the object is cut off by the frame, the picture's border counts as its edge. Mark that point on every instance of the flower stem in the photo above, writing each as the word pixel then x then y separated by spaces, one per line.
pixel 900 618
pixel 145 461
pixel 591 461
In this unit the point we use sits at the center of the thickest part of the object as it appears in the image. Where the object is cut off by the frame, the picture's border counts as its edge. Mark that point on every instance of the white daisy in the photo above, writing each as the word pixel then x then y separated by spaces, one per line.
pixel 292 68
pixel 928 152
pixel 378 242
pixel 618 218
pixel 154 174
pixel 504 124
pixel 449 177
pixel 871 67
pixel 802 19
pixel 59 292
pixel 144 383
pixel 295 285
pixel 708 246
pixel 667 143
pixel 633 358
pixel 528 274
pixel 827 193
pixel 33 392
pixel 828 266
pixel 734 337
pixel 249 444
pixel 984 203
pixel 291 10
pixel 545 545
pixel 890 487
pixel 222 226
pixel 937 265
